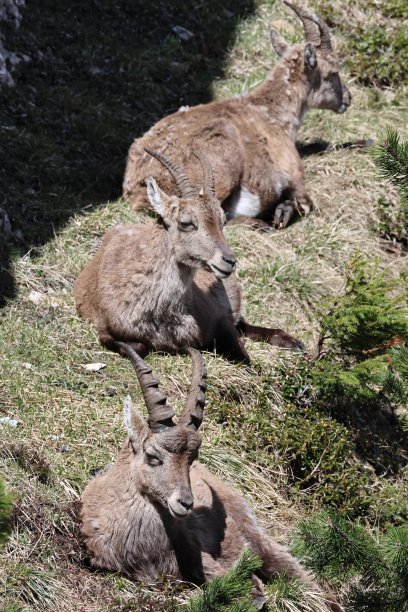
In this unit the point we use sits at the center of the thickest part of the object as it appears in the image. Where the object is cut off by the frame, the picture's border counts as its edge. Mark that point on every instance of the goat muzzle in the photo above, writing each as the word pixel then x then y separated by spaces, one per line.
pixel 223 263
pixel 180 504
pixel 222 271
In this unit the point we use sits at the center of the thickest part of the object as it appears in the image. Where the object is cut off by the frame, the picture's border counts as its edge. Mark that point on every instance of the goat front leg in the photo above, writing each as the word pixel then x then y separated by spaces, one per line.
pixel 258 593
pixel 254 222
pixel 114 345
pixel 299 202
pixel 275 337
pixel 228 342
pixel 283 213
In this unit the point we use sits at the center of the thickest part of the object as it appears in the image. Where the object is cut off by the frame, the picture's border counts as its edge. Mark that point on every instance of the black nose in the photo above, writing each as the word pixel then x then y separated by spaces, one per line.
pixel 231 261
pixel 187 504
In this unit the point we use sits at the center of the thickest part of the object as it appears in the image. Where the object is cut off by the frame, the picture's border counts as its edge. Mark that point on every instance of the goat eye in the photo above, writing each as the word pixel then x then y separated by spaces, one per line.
pixel 187 226
pixel 153 459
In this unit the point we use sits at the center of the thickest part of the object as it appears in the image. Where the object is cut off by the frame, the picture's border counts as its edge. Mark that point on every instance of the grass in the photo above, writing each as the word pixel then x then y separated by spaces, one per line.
pixel 292 596
pixel 375 42
pixel 108 71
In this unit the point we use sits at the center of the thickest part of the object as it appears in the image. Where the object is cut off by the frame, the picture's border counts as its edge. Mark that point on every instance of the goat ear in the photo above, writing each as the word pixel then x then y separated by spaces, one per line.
pixel 134 422
pixel 310 58
pixel 155 195
pixel 278 42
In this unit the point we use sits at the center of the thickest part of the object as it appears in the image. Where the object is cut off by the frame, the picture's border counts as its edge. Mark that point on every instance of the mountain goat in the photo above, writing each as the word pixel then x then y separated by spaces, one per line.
pixel 250 139
pixel 169 285
pixel 158 511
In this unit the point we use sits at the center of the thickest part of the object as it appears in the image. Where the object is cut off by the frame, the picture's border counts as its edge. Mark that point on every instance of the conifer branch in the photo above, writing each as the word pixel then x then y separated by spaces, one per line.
pixel 391 156
pixel 231 591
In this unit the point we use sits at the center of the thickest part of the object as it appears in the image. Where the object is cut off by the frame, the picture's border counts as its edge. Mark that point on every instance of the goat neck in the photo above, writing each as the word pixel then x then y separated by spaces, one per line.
pixel 176 277
pixel 284 95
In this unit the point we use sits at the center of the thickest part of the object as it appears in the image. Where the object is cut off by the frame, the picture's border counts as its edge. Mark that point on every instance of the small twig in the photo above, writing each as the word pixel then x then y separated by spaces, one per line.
pixel 320 343
pixel 316 467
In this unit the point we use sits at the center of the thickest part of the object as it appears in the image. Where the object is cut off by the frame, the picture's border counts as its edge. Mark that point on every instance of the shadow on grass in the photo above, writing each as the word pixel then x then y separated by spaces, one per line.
pixel 377 432
pixel 101 72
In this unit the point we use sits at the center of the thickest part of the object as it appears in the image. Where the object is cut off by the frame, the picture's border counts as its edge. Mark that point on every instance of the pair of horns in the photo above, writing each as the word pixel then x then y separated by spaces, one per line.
pixel 186 189
pixel 160 414
pixel 319 38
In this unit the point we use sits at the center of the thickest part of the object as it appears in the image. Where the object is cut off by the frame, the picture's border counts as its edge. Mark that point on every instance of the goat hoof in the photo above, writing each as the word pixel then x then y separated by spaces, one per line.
pixel 289 342
pixel 283 214
pixel 286 341
pixel 265 229
pixel 259 602
pixel 262 226
pixel 295 345
pixel 334 606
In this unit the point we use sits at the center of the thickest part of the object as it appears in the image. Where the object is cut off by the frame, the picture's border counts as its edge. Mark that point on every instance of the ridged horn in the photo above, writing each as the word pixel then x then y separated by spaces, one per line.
pixel 208 174
pixel 192 415
pixel 160 414
pixel 325 39
pixel 182 179
pixel 309 23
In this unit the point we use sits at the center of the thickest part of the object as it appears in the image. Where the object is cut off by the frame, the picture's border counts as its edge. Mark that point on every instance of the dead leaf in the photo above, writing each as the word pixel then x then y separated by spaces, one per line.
pixel 36 297
pixel 183 33
pixel 93 367
pixel 9 421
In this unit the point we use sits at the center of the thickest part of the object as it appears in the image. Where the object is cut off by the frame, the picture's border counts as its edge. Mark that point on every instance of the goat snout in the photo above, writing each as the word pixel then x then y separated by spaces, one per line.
pixel 230 260
pixel 187 504
pixel 180 504
pixel 223 263
pixel 346 101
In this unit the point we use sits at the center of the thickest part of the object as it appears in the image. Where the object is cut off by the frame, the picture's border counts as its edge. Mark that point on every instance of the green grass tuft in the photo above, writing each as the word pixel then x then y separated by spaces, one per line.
pixel 36 588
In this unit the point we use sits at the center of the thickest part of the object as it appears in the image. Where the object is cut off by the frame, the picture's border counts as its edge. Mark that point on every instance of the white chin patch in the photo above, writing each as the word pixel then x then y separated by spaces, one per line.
pixel 177 514
pixel 243 202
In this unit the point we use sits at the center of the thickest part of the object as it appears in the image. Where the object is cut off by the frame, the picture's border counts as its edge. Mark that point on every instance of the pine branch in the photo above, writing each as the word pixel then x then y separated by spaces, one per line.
pixel 391 156
pixel 231 591
pixel 340 551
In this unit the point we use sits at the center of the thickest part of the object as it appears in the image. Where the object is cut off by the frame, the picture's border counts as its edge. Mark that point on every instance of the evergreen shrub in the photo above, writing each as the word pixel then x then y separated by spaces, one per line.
pixel 372 568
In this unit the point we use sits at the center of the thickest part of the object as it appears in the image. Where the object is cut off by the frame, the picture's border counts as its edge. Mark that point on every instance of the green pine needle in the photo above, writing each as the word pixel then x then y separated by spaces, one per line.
pixel 391 156
pixel 231 591
pixel 375 568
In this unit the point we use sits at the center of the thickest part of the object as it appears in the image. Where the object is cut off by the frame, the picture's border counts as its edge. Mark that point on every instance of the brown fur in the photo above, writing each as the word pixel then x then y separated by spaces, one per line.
pixel 165 287
pixel 158 511
pixel 249 139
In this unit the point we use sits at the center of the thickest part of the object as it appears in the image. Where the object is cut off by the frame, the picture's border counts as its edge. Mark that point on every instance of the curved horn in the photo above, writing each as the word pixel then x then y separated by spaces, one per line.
pixel 183 181
pixel 209 182
pixel 160 415
pixel 309 22
pixel 192 414
pixel 325 43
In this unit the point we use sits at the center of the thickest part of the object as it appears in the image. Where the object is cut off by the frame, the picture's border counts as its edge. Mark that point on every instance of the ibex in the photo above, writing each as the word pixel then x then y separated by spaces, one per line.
pixel 250 139
pixel 157 511
pixel 170 284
